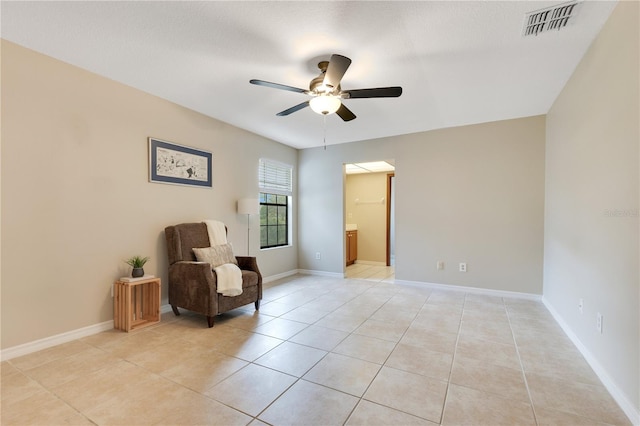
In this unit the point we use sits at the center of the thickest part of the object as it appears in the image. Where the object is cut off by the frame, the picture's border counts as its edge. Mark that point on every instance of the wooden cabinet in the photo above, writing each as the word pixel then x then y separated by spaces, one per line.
pixel 352 247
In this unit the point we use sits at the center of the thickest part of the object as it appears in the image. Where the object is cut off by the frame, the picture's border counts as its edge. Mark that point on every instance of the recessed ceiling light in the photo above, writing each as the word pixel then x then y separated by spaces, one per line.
pixel 352 169
pixel 371 167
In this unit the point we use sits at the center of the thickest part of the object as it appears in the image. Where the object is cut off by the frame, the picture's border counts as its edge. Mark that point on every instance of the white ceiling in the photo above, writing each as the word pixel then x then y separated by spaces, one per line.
pixel 459 62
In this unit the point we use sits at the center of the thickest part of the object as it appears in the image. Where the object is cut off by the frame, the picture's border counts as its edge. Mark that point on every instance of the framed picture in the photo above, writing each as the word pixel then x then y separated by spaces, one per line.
pixel 177 164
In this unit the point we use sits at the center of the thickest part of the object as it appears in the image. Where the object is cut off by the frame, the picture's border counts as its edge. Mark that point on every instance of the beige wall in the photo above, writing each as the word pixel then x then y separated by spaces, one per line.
pixel 370 217
pixel 76 199
pixel 471 194
pixel 592 201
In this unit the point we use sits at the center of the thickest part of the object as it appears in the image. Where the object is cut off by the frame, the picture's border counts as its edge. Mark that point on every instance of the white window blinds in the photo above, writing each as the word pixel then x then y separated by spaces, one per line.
pixel 275 178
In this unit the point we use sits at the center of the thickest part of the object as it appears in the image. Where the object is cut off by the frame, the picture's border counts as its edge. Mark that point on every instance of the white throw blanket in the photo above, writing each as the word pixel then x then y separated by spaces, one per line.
pixel 217 232
pixel 229 279
pixel 229 276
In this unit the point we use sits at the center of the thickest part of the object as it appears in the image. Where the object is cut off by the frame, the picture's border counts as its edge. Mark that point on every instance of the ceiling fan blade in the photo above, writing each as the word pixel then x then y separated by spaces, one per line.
pixel 277 86
pixel 379 92
pixel 293 109
pixel 338 65
pixel 345 113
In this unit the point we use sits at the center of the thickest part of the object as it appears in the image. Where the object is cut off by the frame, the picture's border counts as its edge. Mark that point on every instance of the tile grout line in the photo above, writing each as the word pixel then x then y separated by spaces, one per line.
pixel 374 377
pixel 524 376
pixel 330 351
pixel 453 360
pixel 384 362
pixel 312 366
pixel 48 390
pixel 316 363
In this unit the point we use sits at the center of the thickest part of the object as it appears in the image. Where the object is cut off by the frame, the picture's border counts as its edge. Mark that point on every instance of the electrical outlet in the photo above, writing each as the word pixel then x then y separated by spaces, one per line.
pixel 599 322
pixel 440 265
pixel 580 304
pixel 463 267
pixel 318 255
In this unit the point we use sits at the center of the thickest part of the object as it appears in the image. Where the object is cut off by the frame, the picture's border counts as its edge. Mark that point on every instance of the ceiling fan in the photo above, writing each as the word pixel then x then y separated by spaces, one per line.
pixel 326 93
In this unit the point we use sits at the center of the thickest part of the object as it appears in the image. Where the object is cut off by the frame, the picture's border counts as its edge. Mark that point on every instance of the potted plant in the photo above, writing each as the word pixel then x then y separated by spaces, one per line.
pixel 137 263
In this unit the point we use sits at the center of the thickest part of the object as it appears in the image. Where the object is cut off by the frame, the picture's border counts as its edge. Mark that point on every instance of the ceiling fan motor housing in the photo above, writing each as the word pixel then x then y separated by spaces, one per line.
pixel 317 86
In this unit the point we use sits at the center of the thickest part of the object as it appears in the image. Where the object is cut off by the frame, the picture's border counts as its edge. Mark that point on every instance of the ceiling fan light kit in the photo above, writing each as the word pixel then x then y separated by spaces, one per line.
pixel 326 93
pixel 325 104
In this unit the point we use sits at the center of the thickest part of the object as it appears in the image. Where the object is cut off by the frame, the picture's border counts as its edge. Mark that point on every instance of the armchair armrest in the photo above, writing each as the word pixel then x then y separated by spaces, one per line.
pixel 248 263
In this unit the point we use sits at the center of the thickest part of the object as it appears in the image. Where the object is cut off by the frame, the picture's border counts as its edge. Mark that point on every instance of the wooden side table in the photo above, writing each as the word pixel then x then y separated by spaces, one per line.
pixel 136 303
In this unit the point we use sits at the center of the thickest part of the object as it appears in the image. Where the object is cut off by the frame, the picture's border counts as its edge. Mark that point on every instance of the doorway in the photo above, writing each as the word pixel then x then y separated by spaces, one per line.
pixel 369 209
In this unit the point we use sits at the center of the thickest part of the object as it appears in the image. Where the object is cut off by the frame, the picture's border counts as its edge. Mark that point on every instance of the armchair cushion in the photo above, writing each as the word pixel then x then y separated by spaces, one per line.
pixel 249 279
pixel 216 255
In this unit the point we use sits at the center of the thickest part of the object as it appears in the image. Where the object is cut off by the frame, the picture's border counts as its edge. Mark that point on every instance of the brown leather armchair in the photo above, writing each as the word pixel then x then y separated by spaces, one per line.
pixel 192 284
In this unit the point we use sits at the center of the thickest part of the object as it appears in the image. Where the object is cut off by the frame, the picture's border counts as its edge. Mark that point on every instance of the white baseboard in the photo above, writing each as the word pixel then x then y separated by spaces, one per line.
pixel 623 401
pixel 474 290
pixel 58 339
pixel 321 273
pixel 271 278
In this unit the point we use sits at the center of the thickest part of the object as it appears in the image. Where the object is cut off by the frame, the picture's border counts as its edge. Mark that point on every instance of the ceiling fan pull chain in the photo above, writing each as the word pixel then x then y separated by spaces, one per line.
pixel 324 138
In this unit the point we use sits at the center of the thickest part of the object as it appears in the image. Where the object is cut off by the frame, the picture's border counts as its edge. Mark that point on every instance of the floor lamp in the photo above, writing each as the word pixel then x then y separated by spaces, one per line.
pixel 248 206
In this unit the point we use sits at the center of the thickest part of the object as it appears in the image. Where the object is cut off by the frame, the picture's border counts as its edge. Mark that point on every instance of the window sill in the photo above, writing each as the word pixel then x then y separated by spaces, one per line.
pixel 276 248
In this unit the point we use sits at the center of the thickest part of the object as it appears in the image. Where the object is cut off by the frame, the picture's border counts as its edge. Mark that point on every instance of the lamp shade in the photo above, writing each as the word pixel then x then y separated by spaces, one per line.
pixel 325 104
pixel 248 206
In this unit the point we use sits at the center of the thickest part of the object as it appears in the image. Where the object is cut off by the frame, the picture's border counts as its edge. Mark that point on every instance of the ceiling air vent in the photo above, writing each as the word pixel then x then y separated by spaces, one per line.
pixel 550 18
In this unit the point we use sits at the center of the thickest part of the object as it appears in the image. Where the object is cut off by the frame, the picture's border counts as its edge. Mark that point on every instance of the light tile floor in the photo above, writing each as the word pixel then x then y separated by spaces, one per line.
pixel 371 272
pixel 321 351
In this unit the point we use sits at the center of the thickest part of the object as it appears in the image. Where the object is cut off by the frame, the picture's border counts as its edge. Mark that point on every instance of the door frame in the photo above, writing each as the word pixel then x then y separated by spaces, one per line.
pixel 389 176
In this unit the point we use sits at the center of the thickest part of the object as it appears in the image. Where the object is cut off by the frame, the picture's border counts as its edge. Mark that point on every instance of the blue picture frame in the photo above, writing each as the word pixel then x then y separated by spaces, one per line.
pixel 179 165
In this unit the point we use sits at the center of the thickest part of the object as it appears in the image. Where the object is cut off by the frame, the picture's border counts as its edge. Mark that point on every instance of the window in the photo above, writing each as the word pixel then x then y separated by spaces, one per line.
pixel 274 220
pixel 275 198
